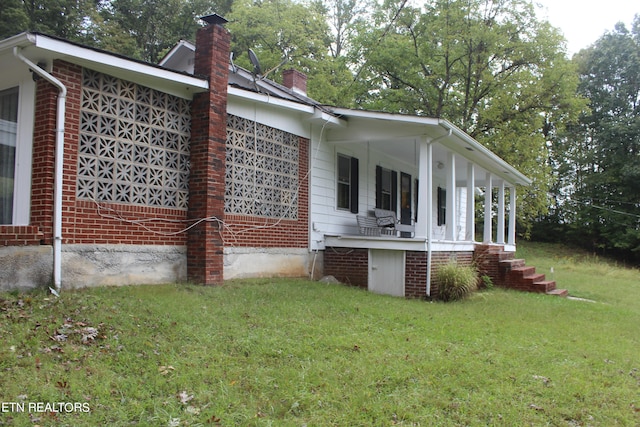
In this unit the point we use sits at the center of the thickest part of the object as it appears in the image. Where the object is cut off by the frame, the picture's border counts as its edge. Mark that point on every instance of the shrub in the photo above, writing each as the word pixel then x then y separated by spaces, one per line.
pixel 456 281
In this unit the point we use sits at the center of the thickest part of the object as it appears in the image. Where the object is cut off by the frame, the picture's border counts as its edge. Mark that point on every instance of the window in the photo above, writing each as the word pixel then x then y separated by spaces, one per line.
pixel 8 133
pixel 347 197
pixel 386 189
pixel 442 206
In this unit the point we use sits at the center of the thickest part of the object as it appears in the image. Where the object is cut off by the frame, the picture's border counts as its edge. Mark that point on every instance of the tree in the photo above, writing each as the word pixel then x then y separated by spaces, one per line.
pixel 489 66
pixel 155 25
pixel 13 18
pixel 604 199
pixel 286 34
pixel 62 18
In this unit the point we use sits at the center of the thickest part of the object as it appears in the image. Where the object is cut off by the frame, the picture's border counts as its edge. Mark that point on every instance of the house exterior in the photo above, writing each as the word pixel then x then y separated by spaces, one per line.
pixel 116 171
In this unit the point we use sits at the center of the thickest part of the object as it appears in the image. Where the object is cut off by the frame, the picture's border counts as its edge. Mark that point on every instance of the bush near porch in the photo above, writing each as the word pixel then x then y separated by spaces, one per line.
pixel 294 352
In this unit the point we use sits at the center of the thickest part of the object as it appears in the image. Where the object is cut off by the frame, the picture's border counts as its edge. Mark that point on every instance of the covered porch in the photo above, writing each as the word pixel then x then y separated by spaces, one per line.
pixel 435 175
pixel 438 174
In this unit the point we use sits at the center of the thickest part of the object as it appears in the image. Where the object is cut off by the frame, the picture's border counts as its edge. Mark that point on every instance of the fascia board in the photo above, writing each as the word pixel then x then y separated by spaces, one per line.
pixel 375 115
pixel 19 40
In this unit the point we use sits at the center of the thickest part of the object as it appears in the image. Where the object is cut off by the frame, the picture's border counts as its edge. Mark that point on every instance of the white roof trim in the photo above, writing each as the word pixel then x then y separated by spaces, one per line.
pixel 378 115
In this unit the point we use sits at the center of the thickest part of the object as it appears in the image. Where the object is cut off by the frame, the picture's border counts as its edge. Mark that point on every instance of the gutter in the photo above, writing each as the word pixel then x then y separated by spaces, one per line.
pixel 59 155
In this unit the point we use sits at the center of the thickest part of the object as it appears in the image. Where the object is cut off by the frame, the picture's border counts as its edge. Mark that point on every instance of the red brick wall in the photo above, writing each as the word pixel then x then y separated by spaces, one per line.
pixel 21 235
pixel 415 281
pixel 43 168
pixel 348 265
pixel 253 231
pixel 351 266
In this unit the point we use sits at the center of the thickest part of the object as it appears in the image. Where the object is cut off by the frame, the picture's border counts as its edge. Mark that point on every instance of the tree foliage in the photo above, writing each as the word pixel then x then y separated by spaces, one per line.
pixel 62 18
pixel 490 67
pixel 286 34
pixel 599 166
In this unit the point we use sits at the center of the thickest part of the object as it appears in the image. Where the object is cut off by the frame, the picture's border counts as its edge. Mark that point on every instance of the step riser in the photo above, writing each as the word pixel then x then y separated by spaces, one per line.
pixel 513 273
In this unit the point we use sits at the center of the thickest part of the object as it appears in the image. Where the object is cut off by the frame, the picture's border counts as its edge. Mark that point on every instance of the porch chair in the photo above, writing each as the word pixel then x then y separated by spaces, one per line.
pixel 368 226
pixel 386 218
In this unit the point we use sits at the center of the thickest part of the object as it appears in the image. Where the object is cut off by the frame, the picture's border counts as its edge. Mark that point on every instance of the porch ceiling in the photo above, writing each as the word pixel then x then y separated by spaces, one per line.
pixel 399 136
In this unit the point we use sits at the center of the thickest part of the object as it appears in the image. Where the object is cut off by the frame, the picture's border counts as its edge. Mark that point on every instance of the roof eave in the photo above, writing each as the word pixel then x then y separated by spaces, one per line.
pixel 507 172
pixel 41 47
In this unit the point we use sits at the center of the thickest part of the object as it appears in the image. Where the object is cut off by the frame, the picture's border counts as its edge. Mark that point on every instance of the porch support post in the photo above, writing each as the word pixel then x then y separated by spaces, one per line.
pixel 471 201
pixel 425 192
pixel 452 217
pixel 500 225
pixel 488 233
pixel 512 216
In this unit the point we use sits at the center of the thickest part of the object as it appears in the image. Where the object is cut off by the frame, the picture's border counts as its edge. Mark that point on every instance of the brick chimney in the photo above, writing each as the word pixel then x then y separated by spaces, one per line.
pixel 296 81
pixel 208 140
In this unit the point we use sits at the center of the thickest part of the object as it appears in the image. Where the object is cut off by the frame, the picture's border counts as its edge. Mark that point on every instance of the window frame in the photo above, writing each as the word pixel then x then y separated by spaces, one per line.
pixel 352 184
pixel 392 194
pixel 24 149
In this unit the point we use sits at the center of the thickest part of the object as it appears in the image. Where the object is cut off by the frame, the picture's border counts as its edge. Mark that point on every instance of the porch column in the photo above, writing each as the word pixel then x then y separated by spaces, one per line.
pixel 451 216
pixel 488 233
pixel 511 239
pixel 471 185
pixel 500 225
pixel 425 191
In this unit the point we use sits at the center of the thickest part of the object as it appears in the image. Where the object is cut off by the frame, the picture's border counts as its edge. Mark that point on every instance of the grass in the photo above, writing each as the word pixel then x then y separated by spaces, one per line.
pixel 293 353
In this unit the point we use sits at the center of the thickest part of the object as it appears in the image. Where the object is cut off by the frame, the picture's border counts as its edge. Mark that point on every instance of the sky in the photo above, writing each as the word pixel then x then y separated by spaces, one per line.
pixel 584 21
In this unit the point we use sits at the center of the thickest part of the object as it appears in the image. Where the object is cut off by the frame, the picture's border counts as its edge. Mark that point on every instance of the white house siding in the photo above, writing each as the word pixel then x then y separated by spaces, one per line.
pixel 327 219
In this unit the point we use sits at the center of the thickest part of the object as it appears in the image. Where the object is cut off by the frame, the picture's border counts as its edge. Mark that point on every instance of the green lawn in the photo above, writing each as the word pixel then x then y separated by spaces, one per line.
pixel 293 353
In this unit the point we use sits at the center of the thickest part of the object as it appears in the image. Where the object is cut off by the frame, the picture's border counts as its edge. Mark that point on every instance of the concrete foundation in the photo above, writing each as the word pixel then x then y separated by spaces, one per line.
pixel 25 267
pixel 100 265
pixel 240 263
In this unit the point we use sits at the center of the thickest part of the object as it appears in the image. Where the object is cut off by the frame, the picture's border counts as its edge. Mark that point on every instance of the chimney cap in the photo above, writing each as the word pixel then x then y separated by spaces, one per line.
pixel 214 19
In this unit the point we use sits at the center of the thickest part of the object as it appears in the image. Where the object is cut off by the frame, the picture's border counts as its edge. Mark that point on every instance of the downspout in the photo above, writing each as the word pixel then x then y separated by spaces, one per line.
pixel 430 209
pixel 57 200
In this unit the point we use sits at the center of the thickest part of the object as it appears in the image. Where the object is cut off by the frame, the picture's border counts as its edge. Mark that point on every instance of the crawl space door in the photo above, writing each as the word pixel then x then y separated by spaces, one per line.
pixel 386 272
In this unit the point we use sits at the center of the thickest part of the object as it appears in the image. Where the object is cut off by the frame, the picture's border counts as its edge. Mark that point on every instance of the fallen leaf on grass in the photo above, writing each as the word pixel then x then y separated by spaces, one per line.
pixel 213 420
pixel 184 397
pixel 59 337
pixel 164 370
pixel 192 410
pixel 545 380
pixel 88 334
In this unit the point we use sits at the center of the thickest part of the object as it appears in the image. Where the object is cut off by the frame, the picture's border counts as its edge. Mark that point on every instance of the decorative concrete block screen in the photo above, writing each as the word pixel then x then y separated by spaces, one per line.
pixel 261 170
pixel 134 144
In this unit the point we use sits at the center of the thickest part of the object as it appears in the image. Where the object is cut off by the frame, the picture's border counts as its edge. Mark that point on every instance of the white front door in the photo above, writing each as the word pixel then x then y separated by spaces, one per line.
pixel 386 272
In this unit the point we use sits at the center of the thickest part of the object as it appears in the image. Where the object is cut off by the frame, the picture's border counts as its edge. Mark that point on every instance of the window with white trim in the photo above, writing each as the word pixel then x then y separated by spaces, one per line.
pixel 347 183
pixel 8 144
